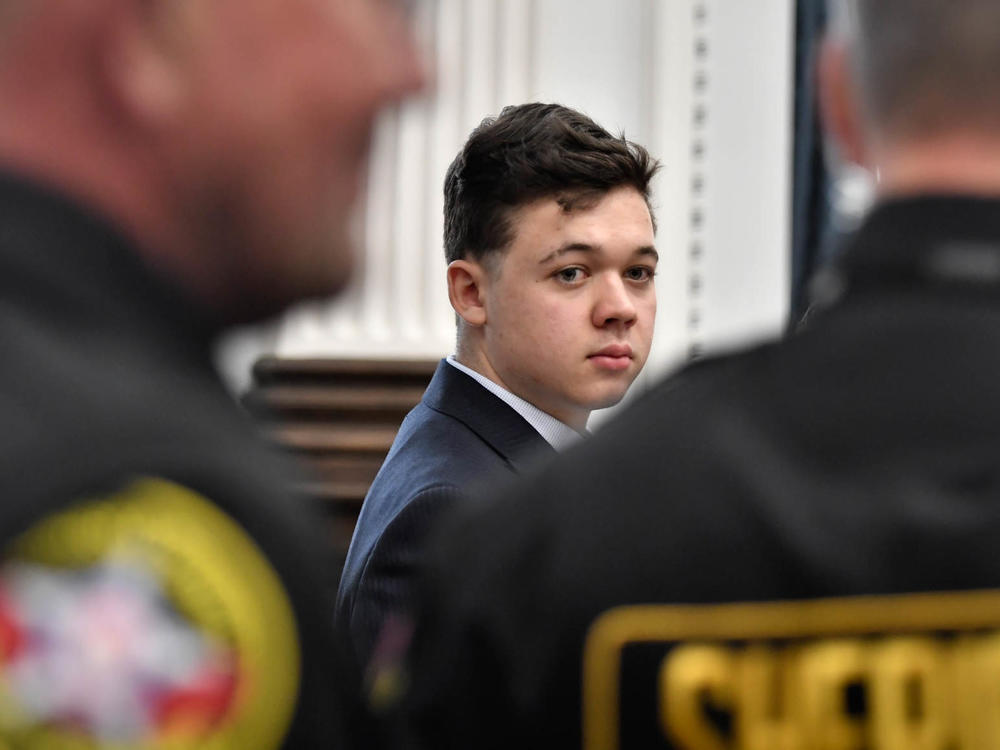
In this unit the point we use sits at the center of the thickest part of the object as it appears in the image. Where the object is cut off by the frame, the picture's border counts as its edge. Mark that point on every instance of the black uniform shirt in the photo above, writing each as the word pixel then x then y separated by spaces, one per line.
pixel 157 581
pixel 859 457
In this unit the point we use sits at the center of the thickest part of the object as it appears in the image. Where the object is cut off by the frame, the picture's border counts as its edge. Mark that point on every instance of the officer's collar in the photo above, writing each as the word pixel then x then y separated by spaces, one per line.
pixel 947 242
pixel 81 267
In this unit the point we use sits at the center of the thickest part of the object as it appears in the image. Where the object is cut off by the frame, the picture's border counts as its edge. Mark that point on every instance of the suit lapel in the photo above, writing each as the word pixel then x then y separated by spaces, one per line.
pixel 454 393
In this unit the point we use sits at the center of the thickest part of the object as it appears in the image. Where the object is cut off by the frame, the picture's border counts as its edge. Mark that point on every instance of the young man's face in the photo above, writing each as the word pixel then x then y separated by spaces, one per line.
pixel 570 306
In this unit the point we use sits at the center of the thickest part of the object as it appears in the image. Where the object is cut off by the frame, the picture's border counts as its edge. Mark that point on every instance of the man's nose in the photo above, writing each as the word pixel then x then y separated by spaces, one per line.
pixel 402 64
pixel 614 303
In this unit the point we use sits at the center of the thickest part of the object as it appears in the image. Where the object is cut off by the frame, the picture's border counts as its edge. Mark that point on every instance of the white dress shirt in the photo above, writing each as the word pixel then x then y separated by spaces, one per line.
pixel 557 434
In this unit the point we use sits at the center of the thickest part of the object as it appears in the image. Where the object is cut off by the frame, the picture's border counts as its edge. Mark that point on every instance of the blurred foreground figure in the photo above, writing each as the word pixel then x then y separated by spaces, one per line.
pixel 777 548
pixel 167 169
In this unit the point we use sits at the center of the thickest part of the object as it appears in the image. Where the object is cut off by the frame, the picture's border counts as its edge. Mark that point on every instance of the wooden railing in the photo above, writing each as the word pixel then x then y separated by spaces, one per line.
pixel 339 418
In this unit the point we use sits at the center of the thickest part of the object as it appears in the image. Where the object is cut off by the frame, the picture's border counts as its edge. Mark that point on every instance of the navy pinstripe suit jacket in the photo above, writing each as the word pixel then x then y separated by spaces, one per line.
pixel 458 437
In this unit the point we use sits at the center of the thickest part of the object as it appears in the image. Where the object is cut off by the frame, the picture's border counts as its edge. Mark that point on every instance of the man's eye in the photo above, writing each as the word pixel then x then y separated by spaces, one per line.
pixel 640 273
pixel 569 275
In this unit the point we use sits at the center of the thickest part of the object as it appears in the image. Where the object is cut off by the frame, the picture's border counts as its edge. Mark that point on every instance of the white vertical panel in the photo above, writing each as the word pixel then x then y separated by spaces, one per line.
pixel 697 212
pixel 379 208
pixel 406 294
pixel 409 253
pixel 589 58
pixel 748 166
pixel 671 101
pixel 446 138
pixel 479 91
pixel 516 53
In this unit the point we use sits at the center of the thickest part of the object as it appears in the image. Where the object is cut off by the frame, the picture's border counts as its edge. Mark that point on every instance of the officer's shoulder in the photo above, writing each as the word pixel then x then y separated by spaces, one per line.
pixel 708 385
pixel 182 597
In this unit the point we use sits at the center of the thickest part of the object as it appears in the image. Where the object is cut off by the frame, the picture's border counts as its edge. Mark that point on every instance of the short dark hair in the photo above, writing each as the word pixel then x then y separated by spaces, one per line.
pixel 528 152
pixel 925 66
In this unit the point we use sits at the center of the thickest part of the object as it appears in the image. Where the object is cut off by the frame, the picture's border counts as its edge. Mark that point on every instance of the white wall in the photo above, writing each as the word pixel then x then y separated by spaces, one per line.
pixel 706 85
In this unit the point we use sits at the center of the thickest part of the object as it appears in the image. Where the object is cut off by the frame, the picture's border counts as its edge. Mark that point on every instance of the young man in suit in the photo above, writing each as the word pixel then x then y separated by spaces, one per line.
pixel 549 238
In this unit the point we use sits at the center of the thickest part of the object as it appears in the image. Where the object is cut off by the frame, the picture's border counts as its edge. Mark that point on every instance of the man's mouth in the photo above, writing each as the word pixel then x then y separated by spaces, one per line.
pixel 615 357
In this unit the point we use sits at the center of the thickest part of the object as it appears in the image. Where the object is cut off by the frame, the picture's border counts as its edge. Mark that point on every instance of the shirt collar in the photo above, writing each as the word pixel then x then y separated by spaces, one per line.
pixel 557 434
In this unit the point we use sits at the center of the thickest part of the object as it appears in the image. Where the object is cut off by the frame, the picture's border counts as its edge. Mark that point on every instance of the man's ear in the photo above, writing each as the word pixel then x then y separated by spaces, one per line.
pixel 467 281
pixel 839 102
pixel 140 60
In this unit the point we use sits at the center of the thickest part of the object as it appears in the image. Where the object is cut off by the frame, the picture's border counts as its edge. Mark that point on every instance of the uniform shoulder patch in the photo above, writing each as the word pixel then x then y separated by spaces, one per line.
pixel 147 618
pixel 892 672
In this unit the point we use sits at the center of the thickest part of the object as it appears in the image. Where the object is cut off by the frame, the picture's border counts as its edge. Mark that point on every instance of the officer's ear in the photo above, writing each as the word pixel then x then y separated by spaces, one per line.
pixel 467 288
pixel 145 49
pixel 840 102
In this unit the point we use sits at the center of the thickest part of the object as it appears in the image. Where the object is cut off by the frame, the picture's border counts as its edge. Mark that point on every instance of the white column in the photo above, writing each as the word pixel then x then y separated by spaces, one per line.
pixel 747 167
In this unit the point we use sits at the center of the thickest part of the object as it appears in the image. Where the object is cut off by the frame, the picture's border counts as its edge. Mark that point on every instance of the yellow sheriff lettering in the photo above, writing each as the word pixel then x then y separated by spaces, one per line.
pixel 919 693
pixel 919 671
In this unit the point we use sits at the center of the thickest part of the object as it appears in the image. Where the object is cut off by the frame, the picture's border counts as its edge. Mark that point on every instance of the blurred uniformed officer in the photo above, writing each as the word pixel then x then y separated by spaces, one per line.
pixel 167 169
pixel 794 546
